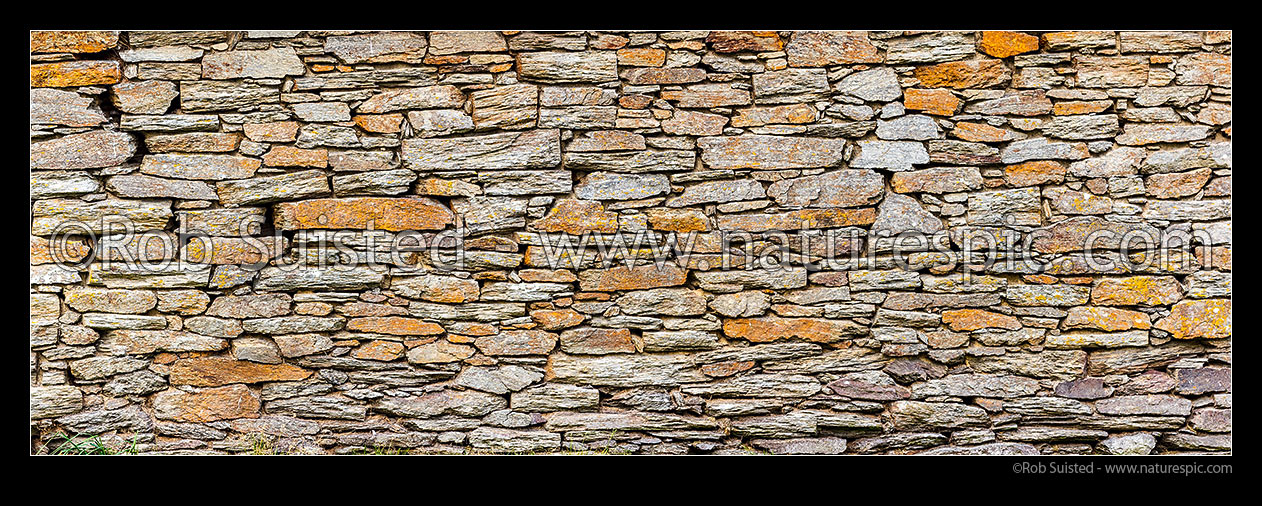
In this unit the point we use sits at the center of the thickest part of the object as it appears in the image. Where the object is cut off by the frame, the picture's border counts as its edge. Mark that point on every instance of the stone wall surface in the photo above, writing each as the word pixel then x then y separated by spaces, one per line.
pixel 806 282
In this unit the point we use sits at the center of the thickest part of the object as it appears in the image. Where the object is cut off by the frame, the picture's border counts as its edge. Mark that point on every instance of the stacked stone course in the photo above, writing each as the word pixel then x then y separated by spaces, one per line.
pixel 272 142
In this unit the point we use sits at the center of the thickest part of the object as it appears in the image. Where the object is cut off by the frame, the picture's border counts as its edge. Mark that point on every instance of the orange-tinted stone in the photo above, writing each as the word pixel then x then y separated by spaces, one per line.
pixel 980 132
pixel 976 319
pixel 207 405
pixel 382 213
pixel 232 250
pixel 73 41
pixel 1136 291
pixel 547 275
pixel 1105 318
pixel 384 351
pixel 379 123
pixel 1178 184
pixel 278 131
pixel 1005 44
pixel 1034 173
pixel 394 325
pixel 556 320
pixel 216 371
pixel 517 342
pixel 289 156
pixel 792 114
pixel 75 73
pixel 1081 107
pixel 641 57
pixel 938 102
pixel 771 328
pixel 639 277
pixel 731 42
pixel 577 217
pixel 46 250
pixel 725 369
pixel 964 74
pixel 794 220
pixel 594 341
pixel 678 220
pixel 1198 319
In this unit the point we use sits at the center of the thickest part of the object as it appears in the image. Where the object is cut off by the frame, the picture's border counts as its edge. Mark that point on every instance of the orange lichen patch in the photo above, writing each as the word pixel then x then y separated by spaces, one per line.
pixel 556 320
pixel 232 250
pixel 1198 319
pixel 1136 291
pixel 392 214
pixel 980 132
pixel 976 319
pixel 639 277
pixel 1005 44
pixel 1105 318
pixel 1034 173
pixel 394 325
pixel 938 102
pixel 289 156
pixel 964 74
pixel 641 57
pixel 384 351
pixel 771 328
pixel 577 217
pixel 379 123
pixel 277 131
pixel 792 114
pixel 678 220
pixel 731 42
pixel 45 250
pixel 75 73
pixel 1081 107
pixel 216 371
pixel 208 405
pixel 73 41
pixel 806 218
pixel 725 369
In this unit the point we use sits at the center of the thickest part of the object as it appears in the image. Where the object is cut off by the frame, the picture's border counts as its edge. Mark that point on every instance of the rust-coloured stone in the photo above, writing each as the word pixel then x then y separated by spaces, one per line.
pixel 577 217
pixel 641 57
pixel 632 278
pixel 394 325
pixel 93 41
pixel 556 319
pixel 1005 44
pixel 938 102
pixel 1105 318
pixel 379 123
pixel 279 131
pixel 1034 173
pixel 678 220
pixel 517 343
pixel 735 41
pixel 392 214
pixel 964 74
pixel 806 218
pixel 725 369
pixel 217 371
pixel 1136 291
pixel 207 405
pixel 980 132
pixel 977 319
pixel 1198 319
pixel 383 351
pixel 289 156
pixel 772 328
pixel 75 73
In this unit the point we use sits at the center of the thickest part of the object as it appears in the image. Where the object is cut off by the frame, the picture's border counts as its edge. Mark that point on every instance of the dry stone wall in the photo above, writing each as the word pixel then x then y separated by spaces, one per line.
pixel 633 242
